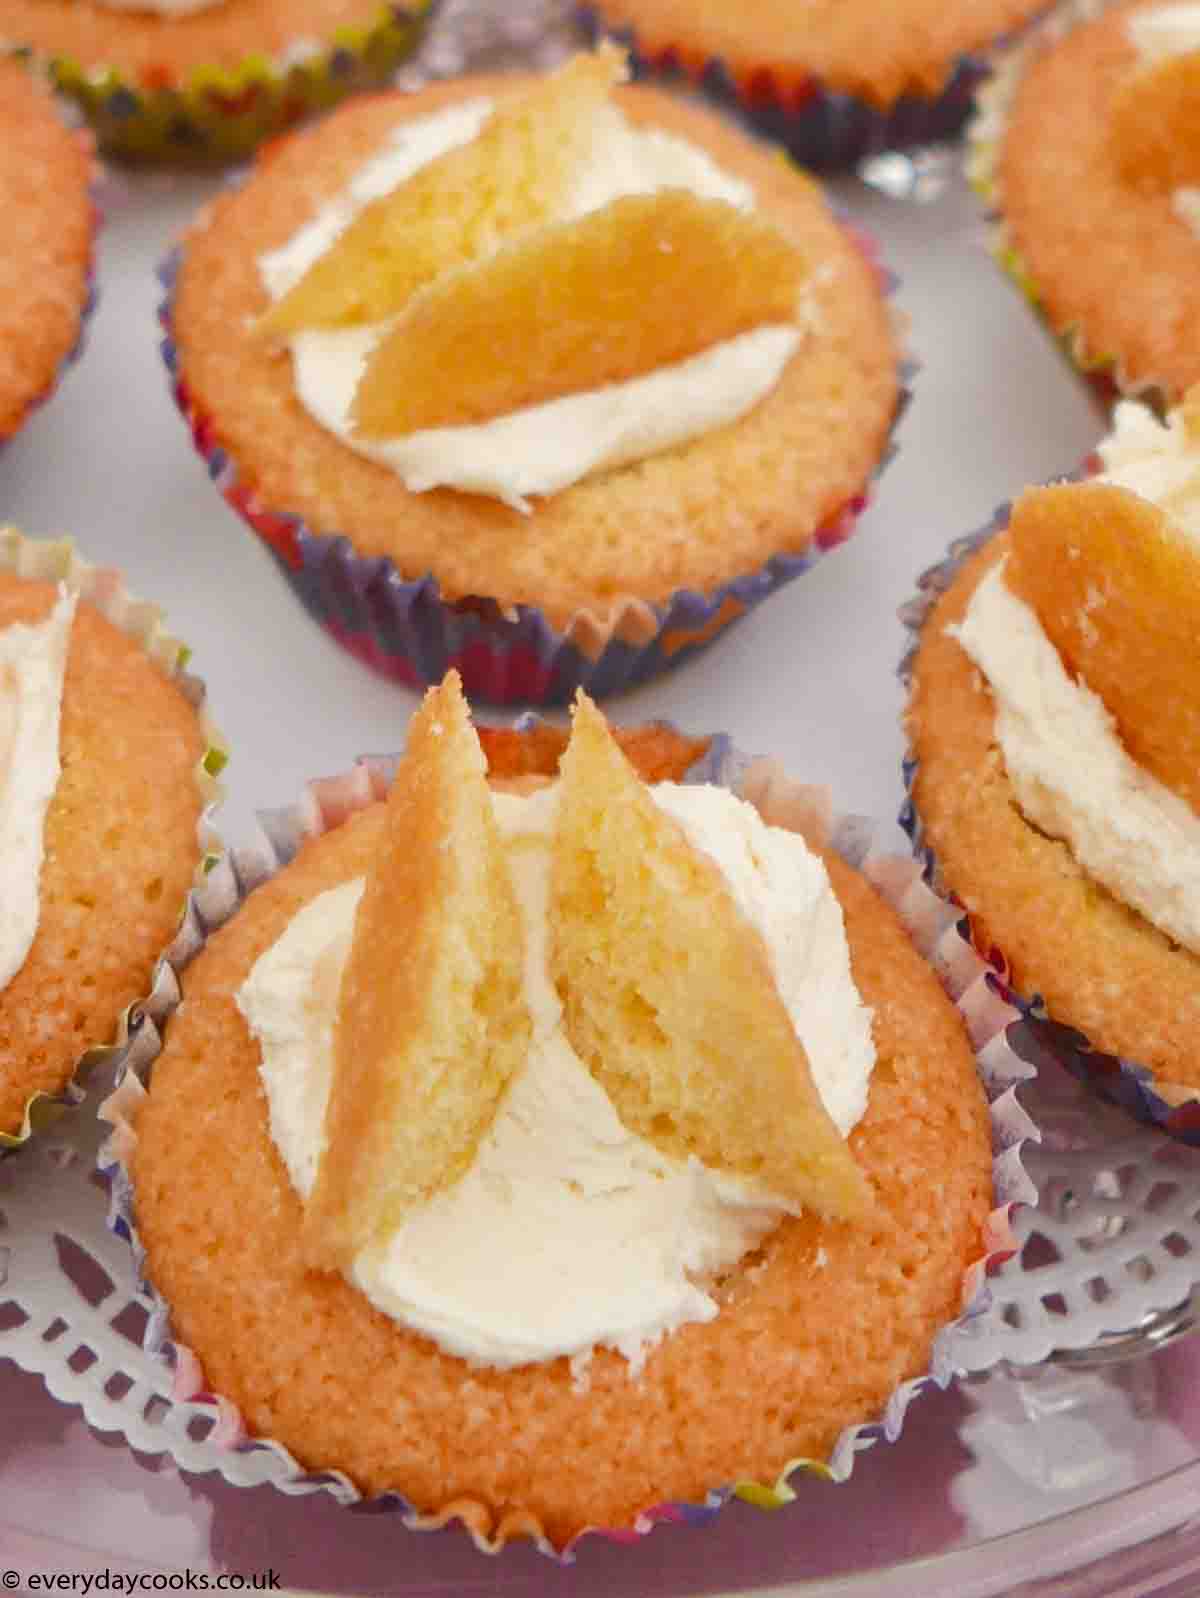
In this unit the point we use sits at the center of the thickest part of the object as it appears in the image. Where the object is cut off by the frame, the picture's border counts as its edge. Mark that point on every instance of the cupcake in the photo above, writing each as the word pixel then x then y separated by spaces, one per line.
pixel 1054 722
pixel 46 172
pixel 1084 149
pixel 834 83
pixel 525 1112
pixel 499 402
pixel 193 80
pixel 105 773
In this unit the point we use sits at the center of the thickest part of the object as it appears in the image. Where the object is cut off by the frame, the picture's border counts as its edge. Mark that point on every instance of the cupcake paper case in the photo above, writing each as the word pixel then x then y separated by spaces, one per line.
pixel 508 649
pixel 1135 345
pixel 1123 1081
pixel 210 88
pixel 327 805
pixel 818 117
pixel 105 591
pixel 47 290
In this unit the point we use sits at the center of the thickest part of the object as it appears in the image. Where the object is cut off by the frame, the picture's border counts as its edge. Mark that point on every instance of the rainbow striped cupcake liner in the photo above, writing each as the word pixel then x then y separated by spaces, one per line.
pixel 987 1017
pixel 407 632
pixel 57 561
pixel 220 114
pixel 1121 1081
pixel 822 128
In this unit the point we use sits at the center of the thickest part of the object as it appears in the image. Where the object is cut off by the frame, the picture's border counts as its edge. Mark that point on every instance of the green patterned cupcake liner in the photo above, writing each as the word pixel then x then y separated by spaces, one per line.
pixel 221 113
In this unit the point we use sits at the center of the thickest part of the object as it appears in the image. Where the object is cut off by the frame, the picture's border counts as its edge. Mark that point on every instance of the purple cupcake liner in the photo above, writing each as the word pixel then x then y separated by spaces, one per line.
pixel 822 128
pixel 1121 1081
pixel 404 630
pixel 988 1019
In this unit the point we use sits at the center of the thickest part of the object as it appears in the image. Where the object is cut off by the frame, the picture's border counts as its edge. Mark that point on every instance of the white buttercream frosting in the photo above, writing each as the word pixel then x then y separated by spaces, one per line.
pixel 33 661
pixel 1071 773
pixel 1157 460
pixel 542 448
pixel 568 1231
pixel 1160 32
pixel 1186 205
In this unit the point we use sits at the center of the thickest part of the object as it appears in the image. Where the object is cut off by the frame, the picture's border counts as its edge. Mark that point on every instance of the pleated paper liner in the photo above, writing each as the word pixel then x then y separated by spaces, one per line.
pixel 821 127
pixel 506 655
pixel 220 114
pixel 57 561
pixel 1171 1107
pixel 1100 368
pixel 784 802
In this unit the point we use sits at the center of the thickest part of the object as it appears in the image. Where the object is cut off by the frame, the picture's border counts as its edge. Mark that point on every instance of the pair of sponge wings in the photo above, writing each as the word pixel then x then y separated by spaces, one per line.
pixel 668 994
pixel 488 277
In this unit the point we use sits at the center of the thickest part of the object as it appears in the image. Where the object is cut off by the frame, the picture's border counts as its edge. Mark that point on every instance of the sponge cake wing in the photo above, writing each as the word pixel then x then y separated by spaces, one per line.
pixel 668 993
pixel 431 1018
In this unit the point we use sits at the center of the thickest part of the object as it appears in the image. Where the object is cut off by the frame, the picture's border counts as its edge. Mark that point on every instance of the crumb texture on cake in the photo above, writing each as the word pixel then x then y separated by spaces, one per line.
pixel 815 1332
pixel 431 1020
pixel 120 851
pixel 858 47
pixel 514 175
pixel 694 516
pixel 45 173
pixel 1116 586
pixel 668 995
pixel 1099 965
pixel 1107 260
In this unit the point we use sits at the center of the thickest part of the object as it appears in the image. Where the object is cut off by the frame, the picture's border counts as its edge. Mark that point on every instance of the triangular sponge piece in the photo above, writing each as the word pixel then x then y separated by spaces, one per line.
pixel 515 175
pixel 431 1021
pixel 1116 586
pixel 668 993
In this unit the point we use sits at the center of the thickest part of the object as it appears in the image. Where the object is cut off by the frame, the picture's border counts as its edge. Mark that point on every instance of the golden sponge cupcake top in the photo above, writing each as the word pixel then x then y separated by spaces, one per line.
pixel 502 1139
pixel 1086 146
pixel 46 173
pixel 101 796
pixel 508 300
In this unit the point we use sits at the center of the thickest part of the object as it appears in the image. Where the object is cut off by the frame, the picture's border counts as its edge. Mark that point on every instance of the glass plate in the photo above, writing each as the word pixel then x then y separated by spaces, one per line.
pixel 1004 1485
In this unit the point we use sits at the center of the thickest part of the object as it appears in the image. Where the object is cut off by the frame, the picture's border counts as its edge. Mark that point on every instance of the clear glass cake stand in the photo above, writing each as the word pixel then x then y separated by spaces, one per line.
pixel 1067 1478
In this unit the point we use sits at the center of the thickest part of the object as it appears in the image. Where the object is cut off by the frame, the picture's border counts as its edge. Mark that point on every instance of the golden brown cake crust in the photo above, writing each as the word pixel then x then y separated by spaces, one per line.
pixel 815 1340
pixel 156 50
pixel 1100 967
pixel 1106 257
pixel 45 171
pixel 120 851
pixel 695 516
pixel 876 52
